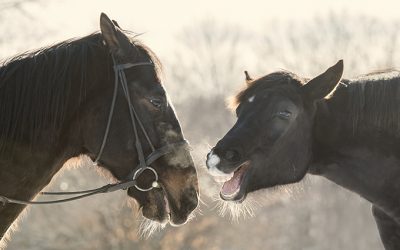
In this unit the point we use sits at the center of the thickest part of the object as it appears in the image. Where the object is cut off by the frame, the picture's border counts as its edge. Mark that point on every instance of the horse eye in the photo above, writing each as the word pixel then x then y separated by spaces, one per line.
pixel 156 103
pixel 284 114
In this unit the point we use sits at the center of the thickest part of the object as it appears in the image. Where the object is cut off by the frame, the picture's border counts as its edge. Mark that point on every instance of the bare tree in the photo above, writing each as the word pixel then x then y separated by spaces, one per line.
pixel 209 59
pixel 16 22
pixel 365 44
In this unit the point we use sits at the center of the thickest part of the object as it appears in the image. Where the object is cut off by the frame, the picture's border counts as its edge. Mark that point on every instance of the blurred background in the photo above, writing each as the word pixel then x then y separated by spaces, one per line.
pixel 205 46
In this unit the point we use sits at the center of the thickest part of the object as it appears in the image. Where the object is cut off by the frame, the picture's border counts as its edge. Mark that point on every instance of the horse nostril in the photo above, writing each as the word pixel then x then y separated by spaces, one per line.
pixel 232 155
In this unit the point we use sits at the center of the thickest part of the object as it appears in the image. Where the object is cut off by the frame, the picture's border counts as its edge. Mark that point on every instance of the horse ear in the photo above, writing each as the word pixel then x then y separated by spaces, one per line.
pixel 248 77
pixel 116 23
pixel 116 40
pixel 320 86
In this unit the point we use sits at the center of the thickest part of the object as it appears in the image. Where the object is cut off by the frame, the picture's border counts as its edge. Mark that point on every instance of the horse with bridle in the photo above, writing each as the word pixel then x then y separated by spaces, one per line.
pixel 99 96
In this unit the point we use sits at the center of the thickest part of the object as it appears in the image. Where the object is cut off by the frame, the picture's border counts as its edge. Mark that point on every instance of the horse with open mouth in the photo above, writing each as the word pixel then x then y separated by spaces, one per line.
pixel 100 96
pixel 286 127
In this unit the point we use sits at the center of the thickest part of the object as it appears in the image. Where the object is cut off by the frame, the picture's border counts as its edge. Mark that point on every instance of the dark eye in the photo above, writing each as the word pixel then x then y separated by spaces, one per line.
pixel 284 114
pixel 156 102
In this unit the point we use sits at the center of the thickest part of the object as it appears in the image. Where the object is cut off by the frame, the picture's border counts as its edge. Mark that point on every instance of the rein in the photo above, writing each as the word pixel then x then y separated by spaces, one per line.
pixel 144 162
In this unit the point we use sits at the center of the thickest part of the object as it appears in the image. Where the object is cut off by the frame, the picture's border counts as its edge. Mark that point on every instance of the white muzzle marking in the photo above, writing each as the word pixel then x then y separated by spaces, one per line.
pixel 212 163
pixel 213 160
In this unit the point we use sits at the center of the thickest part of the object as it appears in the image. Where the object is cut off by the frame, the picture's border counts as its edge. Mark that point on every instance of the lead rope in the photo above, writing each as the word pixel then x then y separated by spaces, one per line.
pixel 85 193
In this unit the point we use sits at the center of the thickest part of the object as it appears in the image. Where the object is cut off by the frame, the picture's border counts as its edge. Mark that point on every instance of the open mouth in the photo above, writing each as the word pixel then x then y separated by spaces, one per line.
pixel 232 186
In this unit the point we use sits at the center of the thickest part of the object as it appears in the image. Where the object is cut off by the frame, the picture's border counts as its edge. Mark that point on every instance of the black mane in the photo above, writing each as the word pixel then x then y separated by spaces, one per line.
pixel 273 79
pixel 371 102
pixel 38 88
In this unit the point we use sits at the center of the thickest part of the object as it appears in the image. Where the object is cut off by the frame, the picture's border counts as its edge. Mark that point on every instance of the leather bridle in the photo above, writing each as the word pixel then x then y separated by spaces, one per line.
pixel 144 162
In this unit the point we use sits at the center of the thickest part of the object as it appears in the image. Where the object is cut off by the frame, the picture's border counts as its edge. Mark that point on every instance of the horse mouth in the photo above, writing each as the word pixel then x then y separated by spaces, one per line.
pixel 165 206
pixel 232 189
pixel 154 204
pixel 160 207
pixel 171 201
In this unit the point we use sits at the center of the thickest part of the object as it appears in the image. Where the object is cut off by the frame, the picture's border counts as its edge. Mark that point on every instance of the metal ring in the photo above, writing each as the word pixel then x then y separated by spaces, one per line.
pixel 140 171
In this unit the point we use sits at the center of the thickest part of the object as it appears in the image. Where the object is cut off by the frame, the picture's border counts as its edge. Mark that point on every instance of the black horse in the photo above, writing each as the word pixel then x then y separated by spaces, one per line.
pixel 71 99
pixel 288 126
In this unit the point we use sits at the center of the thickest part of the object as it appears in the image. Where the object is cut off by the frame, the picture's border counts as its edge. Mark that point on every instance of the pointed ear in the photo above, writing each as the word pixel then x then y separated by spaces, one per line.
pixel 248 77
pixel 117 41
pixel 320 86
pixel 116 24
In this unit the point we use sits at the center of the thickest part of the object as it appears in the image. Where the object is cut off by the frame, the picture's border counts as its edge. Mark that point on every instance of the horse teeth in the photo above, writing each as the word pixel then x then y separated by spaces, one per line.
pixel 231 196
pixel 223 178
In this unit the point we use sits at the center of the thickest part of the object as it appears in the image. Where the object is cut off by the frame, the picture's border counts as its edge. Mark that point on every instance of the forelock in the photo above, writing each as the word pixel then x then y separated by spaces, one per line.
pixel 271 80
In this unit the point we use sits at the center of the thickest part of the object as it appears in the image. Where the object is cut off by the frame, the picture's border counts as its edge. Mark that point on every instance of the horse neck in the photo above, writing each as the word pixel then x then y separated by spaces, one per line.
pixel 363 159
pixel 27 168
pixel 360 114
pixel 26 171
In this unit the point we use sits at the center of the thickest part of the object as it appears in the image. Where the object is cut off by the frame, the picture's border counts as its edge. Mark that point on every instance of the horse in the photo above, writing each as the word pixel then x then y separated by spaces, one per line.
pixel 99 96
pixel 347 130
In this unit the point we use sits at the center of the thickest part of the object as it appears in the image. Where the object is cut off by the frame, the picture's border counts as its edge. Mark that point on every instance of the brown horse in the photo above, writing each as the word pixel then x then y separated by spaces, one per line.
pixel 100 96
pixel 286 127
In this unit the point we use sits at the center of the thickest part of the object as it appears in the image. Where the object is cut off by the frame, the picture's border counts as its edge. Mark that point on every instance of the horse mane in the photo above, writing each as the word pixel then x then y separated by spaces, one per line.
pixel 36 88
pixel 373 101
pixel 272 79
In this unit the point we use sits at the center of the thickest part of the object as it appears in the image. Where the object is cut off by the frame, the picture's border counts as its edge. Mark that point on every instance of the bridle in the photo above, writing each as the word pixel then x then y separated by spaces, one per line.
pixel 144 162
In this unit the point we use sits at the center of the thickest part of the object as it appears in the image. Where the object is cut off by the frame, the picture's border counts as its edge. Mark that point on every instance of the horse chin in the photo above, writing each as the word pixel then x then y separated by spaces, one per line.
pixel 175 219
pixel 154 205
pixel 246 203
pixel 156 208
pixel 242 208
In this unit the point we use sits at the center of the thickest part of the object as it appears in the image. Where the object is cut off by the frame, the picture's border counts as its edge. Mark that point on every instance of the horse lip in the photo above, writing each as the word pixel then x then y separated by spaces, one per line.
pixel 229 197
pixel 247 162
pixel 166 203
pixel 167 206
pixel 238 166
pixel 240 195
pixel 168 209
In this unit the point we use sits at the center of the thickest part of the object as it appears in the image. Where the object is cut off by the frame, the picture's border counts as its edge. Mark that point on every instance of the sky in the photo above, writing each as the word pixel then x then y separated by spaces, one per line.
pixel 162 20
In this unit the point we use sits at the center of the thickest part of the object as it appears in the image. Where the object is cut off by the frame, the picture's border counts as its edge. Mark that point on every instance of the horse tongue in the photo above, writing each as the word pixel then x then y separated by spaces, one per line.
pixel 233 185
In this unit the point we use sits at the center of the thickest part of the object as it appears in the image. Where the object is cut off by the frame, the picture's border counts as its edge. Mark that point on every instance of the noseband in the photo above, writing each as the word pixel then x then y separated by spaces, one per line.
pixel 144 162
